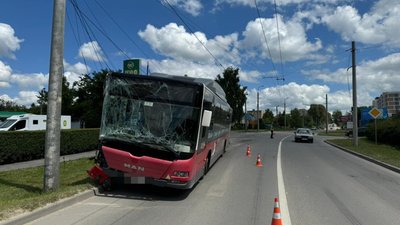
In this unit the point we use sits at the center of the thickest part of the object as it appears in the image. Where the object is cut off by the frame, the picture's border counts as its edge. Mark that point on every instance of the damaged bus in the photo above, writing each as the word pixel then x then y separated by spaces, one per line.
pixel 161 130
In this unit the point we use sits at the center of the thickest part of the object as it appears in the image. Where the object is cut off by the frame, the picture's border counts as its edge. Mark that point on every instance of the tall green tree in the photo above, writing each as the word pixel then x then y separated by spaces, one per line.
pixel 235 94
pixel 317 112
pixel 296 119
pixel 336 116
pixel 268 116
pixel 89 98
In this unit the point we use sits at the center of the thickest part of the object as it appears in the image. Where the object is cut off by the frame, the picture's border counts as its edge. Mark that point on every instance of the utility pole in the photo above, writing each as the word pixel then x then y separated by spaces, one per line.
pixel 326 103
pixel 258 119
pixel 284 111
pixel 52 143
pixel 355 119
pixel 245 113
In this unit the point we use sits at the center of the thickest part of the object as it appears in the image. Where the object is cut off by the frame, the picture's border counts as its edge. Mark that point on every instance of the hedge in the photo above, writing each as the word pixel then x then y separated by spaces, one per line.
pixel 18 146
pixel 388 132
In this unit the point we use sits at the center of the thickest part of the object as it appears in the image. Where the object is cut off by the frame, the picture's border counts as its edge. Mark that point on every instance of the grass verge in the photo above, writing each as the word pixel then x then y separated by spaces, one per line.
pixel 381 152
pixel 22 190
pixel 337 133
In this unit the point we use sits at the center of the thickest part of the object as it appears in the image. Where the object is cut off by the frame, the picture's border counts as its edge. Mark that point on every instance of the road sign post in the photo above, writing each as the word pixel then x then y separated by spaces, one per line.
pixel 375 113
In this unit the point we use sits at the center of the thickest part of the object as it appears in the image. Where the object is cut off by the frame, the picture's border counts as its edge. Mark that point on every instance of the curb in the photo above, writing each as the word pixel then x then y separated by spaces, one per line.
pixel 50 208
pixel 380 163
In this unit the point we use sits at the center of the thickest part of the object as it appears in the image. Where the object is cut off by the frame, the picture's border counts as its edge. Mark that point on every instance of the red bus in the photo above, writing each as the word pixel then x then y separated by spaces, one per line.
pixel 161 130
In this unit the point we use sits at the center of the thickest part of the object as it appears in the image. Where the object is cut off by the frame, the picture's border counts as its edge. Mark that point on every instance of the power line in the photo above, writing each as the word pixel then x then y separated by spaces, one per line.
pixel 191 31
pixel 89 32
pixel 123 31
pixel 279 37
pixel 265 36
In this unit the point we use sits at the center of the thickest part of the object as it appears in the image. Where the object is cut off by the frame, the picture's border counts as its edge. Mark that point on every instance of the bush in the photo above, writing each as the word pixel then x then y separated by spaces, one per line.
pixel 18 146
pixel 388 131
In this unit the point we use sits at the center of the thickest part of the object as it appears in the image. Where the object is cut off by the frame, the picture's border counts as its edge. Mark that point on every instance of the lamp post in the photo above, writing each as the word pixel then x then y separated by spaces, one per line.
pixel 284 110
pixel 258 102
pixel 245 112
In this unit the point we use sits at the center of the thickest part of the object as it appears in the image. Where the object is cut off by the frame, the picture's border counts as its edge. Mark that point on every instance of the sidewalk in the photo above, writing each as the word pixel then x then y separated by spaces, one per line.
pixel 40 162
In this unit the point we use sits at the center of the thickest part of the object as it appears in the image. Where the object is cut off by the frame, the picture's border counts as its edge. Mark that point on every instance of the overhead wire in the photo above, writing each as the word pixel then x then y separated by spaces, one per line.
pixel 89 32
pixel 194 34
pixel 124 32
pixel 265 36
pixel 279 38
pixel 77 39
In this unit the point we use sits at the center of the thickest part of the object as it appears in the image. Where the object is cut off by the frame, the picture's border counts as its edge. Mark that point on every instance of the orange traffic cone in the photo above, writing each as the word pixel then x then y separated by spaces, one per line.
pixel 276 218
pixel 258 163
pixel 248 151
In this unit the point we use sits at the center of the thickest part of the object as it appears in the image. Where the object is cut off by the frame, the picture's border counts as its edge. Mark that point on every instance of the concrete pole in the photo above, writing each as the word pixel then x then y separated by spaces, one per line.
pixel 355 119
pixel 326 103
pixel 258 119
pixel 52 143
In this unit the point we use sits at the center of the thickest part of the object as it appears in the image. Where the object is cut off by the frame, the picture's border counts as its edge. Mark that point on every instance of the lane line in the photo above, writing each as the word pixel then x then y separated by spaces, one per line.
pixel 281 188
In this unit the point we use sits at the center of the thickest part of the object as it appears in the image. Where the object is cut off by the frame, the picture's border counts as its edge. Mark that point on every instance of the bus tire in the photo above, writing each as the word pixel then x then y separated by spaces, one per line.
pixel 224 151
pixel 207 164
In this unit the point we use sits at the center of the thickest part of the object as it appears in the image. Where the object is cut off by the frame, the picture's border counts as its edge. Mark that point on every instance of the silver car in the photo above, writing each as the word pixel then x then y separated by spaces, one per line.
pixel 304 134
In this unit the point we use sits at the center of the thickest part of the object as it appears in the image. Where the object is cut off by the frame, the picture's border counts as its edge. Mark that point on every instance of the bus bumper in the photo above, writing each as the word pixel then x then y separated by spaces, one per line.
pixel 125 178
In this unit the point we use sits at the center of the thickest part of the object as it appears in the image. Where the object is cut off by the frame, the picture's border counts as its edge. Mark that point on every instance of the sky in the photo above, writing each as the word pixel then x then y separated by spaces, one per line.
pixel 292 52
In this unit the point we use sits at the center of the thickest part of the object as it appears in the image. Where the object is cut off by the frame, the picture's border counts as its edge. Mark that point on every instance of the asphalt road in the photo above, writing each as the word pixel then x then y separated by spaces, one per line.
pixel 323 185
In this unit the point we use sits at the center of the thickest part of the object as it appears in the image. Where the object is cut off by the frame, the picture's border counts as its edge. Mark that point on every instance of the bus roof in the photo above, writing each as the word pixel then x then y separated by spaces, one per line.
pixel 209 83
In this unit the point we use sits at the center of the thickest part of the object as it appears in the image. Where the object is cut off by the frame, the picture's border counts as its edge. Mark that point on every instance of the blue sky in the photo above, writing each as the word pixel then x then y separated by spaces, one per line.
pixel 309 50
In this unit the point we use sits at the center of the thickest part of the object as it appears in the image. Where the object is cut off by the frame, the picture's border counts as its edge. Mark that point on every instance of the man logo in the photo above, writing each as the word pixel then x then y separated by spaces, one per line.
pixel 133 167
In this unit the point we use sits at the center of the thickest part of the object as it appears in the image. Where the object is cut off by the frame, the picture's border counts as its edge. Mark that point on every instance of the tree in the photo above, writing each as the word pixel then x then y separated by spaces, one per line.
pixel 235 94
pixel 89 98
pixel 336 116
pixel 317 112
pixel 268 116
pixel 296 119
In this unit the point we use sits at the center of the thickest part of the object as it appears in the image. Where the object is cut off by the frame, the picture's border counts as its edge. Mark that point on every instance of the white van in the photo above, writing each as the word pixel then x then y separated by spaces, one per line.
pixel 31 122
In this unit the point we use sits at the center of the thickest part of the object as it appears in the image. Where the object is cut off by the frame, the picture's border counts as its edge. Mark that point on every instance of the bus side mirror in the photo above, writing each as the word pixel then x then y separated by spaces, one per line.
pixel 206 118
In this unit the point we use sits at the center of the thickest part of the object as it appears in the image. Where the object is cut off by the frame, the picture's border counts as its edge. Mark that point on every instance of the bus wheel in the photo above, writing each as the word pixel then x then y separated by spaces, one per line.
pixel 224 147
pixel 207 165
pixel 107 185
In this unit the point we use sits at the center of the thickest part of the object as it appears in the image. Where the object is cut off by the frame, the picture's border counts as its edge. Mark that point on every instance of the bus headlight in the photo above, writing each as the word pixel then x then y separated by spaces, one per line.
pixel 181 174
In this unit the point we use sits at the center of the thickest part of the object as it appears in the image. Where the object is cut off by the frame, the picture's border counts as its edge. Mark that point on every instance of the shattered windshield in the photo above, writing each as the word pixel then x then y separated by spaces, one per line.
pixel 151 113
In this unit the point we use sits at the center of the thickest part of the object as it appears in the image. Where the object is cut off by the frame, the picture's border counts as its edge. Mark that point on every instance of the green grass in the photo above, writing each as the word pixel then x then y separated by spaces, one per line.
pixel 337 133
pixel 22 190
pixel 381 152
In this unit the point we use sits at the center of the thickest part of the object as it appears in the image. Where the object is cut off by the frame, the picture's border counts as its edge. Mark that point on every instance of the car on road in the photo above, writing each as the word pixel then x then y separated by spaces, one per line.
pixel 303 134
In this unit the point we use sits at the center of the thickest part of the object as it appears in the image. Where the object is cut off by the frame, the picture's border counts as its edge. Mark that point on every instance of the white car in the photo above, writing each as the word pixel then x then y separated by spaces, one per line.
pixel 303 134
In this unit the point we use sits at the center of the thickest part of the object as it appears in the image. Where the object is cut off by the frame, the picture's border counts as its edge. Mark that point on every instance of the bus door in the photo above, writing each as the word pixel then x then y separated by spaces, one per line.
pixel 206 132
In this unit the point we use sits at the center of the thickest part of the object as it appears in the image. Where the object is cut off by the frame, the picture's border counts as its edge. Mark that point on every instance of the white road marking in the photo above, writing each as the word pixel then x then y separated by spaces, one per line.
pixel 281 189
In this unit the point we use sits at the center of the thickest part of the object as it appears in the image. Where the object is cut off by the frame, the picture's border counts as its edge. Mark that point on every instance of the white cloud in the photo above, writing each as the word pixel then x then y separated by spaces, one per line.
pixel 5 74
pixel 374 76
pixel 292 35
pixel 9 43
pixel 75 71
pixel 183 67
pixel 33 81
pixel 192 7
pixel 91 51
pixel 280 3
pixel 379 26
pixel 175 42
pixel 26 98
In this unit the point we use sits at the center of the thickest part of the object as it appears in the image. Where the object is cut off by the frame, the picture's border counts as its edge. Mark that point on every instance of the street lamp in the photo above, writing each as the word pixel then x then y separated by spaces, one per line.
pixel 258 100
pixel 245 111
pixel 284 110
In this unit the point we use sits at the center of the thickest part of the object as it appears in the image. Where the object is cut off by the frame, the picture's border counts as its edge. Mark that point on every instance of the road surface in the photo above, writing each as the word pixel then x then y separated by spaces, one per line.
pixel 322 185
